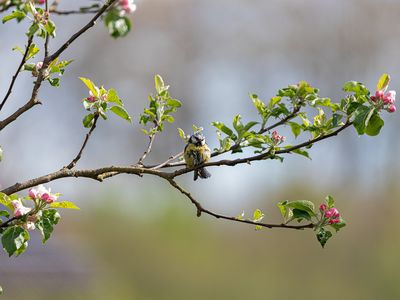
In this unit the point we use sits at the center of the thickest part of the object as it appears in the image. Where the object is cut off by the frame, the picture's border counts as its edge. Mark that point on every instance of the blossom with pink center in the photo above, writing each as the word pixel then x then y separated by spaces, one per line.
pixel 19 208
pixel 91 97
pixel 40 192
pixel 390 97
pixel 278 139
pixel 127 6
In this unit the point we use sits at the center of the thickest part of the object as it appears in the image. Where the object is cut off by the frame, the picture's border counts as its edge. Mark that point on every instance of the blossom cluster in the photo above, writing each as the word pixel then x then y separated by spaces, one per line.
pixel 277 139
pixel 385 100
pixel 331 214
pixel 41 193
pixel 20 210
pixel 92 98
pixel 126 6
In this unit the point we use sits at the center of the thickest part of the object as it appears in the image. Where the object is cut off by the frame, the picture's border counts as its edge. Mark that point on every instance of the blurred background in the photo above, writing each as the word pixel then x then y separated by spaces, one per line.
pixel 137 238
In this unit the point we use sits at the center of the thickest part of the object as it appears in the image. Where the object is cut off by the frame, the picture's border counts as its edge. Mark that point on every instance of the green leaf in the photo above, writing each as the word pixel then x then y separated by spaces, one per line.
pixel 339 225
pixel 64 204
pixel 360 116
pixel 237 124
pixel 32 29
pixel 4 213
pixel 32 51
pixel 221 126
pixel 50 28
pixel 300 214
pixel 296 129
pixel 6 200
pixel 304 205
pixel 112 96
pixel 158 83
pixel 88 120
pixel 375 124
pixel 302 152
pixel 50 217
pixel 282 208
pixel 54 81
pixel 170 119
pixel 323 236
pixel 91 86
pixel 19 15
pixel 383 82
pixel 121 112
pixel 257 215
pixel 249 125
pixel 15 240
pixel 174 103
pixel 355 87
pixel 329 201
pixel 182 135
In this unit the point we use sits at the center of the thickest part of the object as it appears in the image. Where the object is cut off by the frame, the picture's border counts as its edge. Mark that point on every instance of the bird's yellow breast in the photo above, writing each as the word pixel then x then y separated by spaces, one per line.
pixel 196 155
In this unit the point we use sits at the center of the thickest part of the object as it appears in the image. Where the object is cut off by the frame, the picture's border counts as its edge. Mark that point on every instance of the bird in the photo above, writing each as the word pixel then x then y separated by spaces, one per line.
pixel 196 153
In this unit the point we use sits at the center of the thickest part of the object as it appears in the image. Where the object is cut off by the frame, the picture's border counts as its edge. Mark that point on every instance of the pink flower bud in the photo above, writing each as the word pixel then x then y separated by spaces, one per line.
pixel 379 94
pixel 42 1
pixel 392 108
pixel 373 98
pixel 323 207
pixel 32 193
pixel 49 198
pixel 333 221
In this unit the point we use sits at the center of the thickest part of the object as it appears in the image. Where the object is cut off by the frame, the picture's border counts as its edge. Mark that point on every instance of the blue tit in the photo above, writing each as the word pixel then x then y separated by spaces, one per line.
pixel 196 153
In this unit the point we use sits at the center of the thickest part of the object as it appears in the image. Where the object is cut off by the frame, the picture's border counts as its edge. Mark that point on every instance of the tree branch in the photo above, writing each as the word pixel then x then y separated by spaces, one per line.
pixel 78 156
pixel 82 30
pixel 201 210
pixel 14 78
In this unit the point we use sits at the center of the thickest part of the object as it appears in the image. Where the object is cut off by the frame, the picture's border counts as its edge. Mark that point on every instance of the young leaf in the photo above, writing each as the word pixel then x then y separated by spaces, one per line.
pixel 323 236
pixel 383 82
pixel 112 96
pixel 19 15
pixel 282 208
pixel 88 120
pixel 296 129
pixel 64 204
pixel 182 135
pixel 221 126
pixel 121 112
pixel 159 83
pixel 329 201
pixel 91 86
pixel 258 215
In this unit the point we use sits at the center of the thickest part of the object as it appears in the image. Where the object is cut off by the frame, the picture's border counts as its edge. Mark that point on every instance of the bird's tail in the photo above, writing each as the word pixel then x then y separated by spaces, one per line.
pixel 202 173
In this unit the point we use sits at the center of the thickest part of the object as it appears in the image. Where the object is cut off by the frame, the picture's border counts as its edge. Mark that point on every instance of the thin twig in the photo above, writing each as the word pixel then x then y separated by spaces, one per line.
pixel 33 100
pixel 143 157
pixel 14 78
pixel 82 30
pixel 78 156
pixel 201 210
pixel 46 43
pixel 72 12
pixel 172 158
